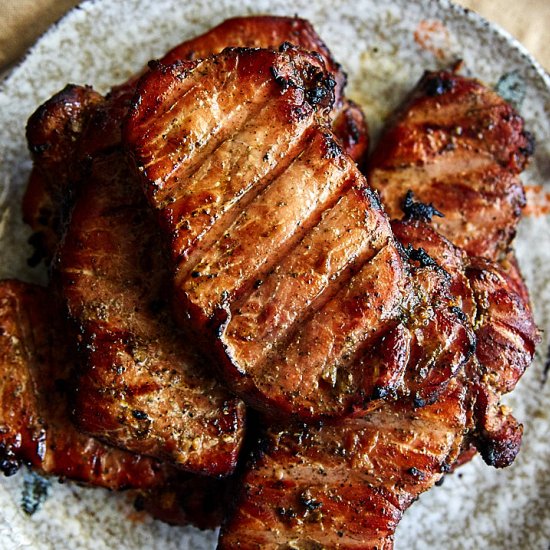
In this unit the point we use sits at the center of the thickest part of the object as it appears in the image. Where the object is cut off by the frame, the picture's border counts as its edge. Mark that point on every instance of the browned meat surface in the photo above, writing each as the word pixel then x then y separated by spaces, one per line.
pixel 140 386
pixel 52 135
pixel 54 131
pixel 188 499
pixel 506 336
pixel 35 428
pixel 282 254
pixel 347 485
pixel 272 32
pixel 456 144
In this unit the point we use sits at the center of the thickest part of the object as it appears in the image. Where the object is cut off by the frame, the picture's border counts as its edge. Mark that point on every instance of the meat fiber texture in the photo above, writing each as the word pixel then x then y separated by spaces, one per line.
pixel 482 508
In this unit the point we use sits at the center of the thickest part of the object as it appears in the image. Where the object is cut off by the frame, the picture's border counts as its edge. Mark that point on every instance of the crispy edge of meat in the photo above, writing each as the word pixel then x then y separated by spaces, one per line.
pixel 506 333
pixel 35 426
pixel 452 120
pixel 53 132
pixel 345 485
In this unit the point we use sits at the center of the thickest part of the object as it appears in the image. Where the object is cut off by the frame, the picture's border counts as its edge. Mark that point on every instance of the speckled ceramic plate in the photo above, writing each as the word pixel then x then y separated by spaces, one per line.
pixel 385 46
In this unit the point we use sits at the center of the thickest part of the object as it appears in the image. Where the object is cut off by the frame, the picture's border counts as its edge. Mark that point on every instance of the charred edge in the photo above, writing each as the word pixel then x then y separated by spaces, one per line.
pixel 530 146
pixel 332 149
pixel 424 259
pixel 9 463
pixel 372 196
pixel 416 210
pixel 156 65
pixel 283 82
pixel 416 473
pixel 38 242
pixel 320 91
pixel 437 84
pixel 39 148
pixel 459 313
pixel 499 454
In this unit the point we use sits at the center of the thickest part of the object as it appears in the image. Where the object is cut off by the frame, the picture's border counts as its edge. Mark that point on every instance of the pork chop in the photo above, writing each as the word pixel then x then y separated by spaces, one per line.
pixel 457 145
pixel 140 386
pixel 345 484
pixel 35 427
pixel 282 255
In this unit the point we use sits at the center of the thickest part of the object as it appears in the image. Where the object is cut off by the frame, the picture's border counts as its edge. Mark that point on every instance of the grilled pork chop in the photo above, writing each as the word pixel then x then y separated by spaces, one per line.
pixel 505 330
pixel 283 256
pixel 345 484
pixel 60 156
pixel 140 386
pixel 458 145
pixel 35 426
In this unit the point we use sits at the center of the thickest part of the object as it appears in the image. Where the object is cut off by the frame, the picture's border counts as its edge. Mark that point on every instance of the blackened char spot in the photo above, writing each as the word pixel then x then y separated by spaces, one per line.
pixel 38 241
pixel 437 85
pixel 459 313
pixel 529 149
pixel 139 415
pixel 280 79
pixel 416 210
pixel 423 258
pixel 332 149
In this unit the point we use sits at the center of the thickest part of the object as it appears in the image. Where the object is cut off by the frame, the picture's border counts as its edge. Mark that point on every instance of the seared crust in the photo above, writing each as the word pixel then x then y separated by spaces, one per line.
pixel 281 251
pixel 140 386
pixel 35 425
pixel 346 485
pixel 456 144
pixel 506 337
pixel 53 133
pixel 274 33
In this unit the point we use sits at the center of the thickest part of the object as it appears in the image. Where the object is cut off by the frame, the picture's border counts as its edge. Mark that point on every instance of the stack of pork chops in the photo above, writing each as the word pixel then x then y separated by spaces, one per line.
pixel 235 308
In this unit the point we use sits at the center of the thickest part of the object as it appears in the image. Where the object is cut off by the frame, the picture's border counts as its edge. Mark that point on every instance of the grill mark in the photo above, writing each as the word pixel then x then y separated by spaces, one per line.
pixel 213 233
pixel 209 143
pixel 313 219
pixel 169 118
pixel 305 322
pixel 334 283
pixel 222 131
pixel 306 221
